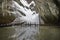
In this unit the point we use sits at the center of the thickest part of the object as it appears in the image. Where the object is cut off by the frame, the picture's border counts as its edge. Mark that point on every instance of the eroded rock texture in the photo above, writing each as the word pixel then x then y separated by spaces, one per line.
pixel 5 17
pixel 48 11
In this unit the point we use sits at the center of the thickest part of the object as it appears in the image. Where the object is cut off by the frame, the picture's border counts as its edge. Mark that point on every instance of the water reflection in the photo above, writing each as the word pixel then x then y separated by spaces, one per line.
pixel 25 32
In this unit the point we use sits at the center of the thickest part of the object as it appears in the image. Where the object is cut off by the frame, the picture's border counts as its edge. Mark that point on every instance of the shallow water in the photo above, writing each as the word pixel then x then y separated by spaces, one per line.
pixel 23 32
pixel 30 32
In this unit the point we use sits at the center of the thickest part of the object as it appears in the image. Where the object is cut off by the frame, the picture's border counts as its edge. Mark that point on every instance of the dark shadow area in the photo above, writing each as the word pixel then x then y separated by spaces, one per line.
pixel 57 2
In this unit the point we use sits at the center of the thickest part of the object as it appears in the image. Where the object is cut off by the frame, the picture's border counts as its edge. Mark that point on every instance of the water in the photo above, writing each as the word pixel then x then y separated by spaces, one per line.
pixel 25 32
pixel 45 33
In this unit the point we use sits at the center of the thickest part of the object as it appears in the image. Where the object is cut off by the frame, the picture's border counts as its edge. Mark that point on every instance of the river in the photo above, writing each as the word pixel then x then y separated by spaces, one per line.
pixel 20 32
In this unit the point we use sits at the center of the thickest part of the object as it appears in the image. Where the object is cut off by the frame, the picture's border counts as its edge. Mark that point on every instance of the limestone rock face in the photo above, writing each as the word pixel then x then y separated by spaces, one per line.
pixel 46 8
pixel 48 11
pixel 5 16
